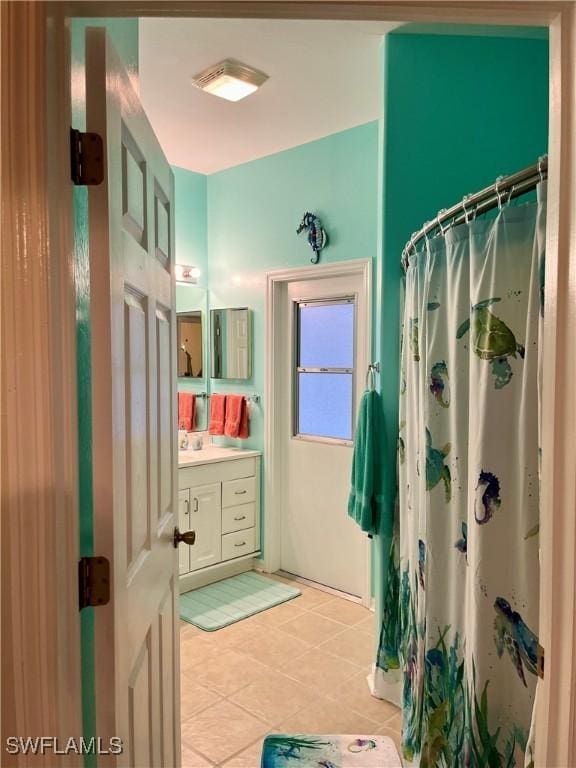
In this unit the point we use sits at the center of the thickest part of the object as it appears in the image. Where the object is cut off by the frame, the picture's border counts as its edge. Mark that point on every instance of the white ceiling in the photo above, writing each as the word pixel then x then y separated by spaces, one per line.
pixel 324 78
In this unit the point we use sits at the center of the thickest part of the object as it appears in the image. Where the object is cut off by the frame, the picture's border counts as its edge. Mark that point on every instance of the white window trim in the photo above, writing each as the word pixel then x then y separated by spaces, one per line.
pixel 296 370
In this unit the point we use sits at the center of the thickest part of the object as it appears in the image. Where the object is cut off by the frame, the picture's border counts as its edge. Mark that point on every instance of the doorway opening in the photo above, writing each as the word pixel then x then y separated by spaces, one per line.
pixel 319 322
pixel 238 535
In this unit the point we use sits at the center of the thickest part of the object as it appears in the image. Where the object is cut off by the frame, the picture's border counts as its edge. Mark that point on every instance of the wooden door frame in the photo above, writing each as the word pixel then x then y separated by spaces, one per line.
pixel 274 424
pixel 40 542
pixel 37 272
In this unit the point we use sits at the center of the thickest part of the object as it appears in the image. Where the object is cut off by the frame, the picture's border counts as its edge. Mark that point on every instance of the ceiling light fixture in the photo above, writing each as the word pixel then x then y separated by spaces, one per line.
pixel 230 80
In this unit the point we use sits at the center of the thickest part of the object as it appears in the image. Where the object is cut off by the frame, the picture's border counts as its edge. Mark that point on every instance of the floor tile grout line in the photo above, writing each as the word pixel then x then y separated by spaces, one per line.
pixel 252 743
pixel 279 667
pixel 195 749
pixel 323 695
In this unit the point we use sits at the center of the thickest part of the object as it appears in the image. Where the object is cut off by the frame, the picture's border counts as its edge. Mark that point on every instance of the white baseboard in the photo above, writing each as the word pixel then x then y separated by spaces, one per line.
pixel 217 572
pixel 321 587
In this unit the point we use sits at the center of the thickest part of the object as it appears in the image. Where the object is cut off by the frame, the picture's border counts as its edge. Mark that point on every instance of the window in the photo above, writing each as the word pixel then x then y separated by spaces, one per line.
pixel 324 369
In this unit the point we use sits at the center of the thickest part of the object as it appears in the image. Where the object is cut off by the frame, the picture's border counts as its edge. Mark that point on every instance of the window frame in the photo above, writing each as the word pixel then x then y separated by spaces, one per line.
pixel 297 369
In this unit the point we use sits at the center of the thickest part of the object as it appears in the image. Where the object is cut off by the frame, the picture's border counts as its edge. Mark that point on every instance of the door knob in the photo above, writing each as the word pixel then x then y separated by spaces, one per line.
pixel 188 537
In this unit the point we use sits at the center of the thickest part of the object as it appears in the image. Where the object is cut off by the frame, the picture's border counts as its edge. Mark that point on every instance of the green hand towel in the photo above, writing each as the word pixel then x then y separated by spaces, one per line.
pixel 366 501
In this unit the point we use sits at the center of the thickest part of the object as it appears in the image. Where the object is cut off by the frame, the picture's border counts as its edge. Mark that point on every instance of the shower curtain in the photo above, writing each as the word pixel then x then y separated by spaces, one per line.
pixel 461 610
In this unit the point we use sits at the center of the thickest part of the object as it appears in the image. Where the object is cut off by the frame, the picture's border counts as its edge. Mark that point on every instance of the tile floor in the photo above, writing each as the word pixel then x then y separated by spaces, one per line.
pixel 300 667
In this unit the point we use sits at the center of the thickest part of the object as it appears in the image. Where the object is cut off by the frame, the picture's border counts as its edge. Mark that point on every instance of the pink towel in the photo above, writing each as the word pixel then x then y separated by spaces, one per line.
pixel 236 417
pixel 186 410
pixel 243 432
pixel 217 414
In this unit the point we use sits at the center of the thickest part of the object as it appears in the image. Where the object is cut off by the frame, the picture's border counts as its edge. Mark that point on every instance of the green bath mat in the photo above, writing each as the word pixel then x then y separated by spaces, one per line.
pixel 230 600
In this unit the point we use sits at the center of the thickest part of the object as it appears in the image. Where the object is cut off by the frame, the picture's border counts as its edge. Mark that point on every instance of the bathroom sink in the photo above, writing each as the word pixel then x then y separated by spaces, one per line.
pixel 210 452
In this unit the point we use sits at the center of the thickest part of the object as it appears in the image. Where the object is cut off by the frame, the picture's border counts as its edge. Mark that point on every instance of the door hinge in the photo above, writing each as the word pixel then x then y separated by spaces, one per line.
pixel 540 662
pixel 93 581
pixel 86 158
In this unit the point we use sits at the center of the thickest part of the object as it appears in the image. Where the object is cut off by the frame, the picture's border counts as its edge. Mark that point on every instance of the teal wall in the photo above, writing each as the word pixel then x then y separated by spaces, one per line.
pixel 458 111
pixel 253 212
pixel 190 212
pixel 191 248
pixel 124 34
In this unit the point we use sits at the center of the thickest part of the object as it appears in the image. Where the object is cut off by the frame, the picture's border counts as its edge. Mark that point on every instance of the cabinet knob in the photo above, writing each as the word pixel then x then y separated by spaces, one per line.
pixel 242 544
pixel 241 517
pixel 239 493
pixel 188 537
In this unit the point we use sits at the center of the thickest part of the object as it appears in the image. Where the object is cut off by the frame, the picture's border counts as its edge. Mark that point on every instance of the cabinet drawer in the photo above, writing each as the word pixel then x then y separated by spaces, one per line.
pixel 238 518
pixel 239 543
pixel 236 492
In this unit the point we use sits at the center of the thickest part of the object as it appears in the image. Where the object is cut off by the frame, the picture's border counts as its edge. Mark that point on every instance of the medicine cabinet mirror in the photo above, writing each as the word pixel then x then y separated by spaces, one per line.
pixel 192 347
pixel 231 343
pixel 190 357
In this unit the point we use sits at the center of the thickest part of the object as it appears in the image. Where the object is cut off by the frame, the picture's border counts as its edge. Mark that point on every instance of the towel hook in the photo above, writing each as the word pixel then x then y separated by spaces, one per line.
pixel 373 369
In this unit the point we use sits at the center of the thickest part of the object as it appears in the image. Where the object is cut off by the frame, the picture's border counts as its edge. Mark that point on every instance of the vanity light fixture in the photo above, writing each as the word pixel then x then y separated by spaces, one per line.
pixel 186 274
pixel 230 80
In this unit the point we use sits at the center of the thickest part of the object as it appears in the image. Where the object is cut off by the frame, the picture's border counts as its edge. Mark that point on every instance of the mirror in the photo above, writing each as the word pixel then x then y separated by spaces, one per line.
pixel 231 347
pixel 190 348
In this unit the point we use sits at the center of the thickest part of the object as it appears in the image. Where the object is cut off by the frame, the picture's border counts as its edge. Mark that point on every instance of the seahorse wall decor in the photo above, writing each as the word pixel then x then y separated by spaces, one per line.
pixel 317 237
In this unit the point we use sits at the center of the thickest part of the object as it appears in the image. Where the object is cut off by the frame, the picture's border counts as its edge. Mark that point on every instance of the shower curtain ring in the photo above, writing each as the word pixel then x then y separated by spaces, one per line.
pixel 468 213
pixel 426 231
pixel 541 161
pixel 439 223
pixel 499 181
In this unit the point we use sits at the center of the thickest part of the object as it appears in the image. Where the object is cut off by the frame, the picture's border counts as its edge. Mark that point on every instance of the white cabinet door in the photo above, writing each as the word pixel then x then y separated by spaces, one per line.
pixel 184 525
pixel 206 520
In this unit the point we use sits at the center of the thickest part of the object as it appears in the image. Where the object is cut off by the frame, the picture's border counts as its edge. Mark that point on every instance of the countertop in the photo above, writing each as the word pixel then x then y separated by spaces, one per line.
pixel 211 453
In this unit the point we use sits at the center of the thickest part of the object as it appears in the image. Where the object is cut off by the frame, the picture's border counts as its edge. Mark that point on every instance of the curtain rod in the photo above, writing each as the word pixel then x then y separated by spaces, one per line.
pixel 504 189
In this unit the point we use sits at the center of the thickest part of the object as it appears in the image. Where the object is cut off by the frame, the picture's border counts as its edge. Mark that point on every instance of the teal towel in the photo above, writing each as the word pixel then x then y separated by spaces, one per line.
pixel 366 501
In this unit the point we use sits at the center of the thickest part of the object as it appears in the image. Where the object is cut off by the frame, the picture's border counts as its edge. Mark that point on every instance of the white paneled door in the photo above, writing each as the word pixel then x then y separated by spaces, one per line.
pixel 324 371
pixel 131 243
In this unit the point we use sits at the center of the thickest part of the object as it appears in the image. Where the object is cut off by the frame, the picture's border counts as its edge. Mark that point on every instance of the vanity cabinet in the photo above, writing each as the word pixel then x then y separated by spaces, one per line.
pixel 219 498
pixel 184 525
pixel 203 516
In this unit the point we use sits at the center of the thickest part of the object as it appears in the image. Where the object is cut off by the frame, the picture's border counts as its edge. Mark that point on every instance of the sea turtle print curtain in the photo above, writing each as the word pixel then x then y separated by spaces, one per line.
pixel 460 626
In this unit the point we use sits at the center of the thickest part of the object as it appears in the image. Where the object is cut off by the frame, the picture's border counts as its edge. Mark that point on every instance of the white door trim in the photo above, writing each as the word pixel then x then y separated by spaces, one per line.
pixel 556 713
pixel 276 283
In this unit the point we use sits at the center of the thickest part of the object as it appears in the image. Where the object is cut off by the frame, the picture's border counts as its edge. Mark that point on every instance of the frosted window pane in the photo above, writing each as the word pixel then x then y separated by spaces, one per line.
pixel 327 336
pixel 325 407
